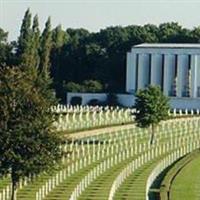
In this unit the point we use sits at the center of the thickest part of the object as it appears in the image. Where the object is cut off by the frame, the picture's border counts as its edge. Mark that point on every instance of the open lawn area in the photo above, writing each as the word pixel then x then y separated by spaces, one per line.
pixel 186 185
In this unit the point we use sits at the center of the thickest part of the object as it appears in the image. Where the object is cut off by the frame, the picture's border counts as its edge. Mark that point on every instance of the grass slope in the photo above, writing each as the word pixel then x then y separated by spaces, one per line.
pixel 187 183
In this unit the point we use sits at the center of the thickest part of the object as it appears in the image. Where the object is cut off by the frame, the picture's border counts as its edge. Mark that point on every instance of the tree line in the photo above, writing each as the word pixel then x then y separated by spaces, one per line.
pixel 83 61
pixel 29 144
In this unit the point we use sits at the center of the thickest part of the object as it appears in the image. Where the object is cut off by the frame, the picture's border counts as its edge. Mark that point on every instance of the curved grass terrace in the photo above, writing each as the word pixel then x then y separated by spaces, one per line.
pixel 186 185
pixel 113 148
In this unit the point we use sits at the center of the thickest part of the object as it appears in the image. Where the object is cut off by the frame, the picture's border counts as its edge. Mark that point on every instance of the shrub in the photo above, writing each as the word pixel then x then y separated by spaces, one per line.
pixel 72 87
pixel 76 100
pixel 92 86
pixel 112 100
pixel 94 102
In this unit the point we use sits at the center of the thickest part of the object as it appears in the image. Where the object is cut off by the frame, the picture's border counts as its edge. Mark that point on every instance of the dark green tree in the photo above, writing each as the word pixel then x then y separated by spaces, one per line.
pixel 77 35
pixel 3 36
pixel 169 32
pixel 92 86
pixel 195 35
pixel 45 49
pixel 24 47
pixel 152 107
pixel 112 100
pixel 59 39
pixel 35 60
pixel 5 48
pixel 72 87
pixel 28 142
pixel 76 101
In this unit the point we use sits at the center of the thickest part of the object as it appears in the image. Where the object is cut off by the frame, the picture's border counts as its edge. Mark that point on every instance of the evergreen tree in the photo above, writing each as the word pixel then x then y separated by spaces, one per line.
pixel 28 142
pixel 45 49
pixel 35 42
pixel 59 37
pixel 6 54
pixel 25 40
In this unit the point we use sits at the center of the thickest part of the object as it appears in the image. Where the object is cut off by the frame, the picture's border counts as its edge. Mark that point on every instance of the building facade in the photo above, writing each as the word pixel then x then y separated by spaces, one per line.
pixel 174 67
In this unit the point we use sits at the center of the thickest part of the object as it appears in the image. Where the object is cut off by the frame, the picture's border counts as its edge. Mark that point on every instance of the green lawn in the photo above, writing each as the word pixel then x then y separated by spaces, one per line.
pixel 186 185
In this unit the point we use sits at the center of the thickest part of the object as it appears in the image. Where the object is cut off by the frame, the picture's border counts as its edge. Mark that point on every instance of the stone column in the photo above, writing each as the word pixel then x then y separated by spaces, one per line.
pixel 143 71
pixel 156 69
pixel 183 61
pixel 193 76
pixel 131 72
pixel 169 69
pixel 179 75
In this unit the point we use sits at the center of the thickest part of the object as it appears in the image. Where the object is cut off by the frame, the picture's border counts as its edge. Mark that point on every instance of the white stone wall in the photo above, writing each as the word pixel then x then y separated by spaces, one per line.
pixel 124 99
pixel 172 51
pixel 185 103
pixel 86 97
pixel 166 78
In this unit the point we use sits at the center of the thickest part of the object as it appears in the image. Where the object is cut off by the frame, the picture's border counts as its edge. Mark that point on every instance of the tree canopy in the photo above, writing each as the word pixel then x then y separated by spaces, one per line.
pixel 5 48
pixel 28 142
pixel 77 55
pixel 152 107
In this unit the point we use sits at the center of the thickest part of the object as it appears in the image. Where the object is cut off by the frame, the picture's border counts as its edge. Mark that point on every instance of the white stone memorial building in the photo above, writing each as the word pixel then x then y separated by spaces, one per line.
pixel 174 67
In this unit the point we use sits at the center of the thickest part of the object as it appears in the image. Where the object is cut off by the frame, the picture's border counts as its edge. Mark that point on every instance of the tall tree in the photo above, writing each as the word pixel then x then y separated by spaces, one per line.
pixel 59 38
pixel 45 49
pixel 35 42
pixel 28 142
pixel 3 36
pixel 152 107
pixel 25 40
pixel 195 33
pixel 169 32
pixel 5 48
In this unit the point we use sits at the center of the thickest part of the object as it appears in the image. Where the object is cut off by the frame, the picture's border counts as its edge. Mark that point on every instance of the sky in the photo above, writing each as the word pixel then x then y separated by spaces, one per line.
pixel 98 14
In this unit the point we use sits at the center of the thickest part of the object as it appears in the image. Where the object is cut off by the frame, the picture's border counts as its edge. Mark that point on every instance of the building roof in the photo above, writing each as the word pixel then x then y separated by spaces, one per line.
pixel 168 45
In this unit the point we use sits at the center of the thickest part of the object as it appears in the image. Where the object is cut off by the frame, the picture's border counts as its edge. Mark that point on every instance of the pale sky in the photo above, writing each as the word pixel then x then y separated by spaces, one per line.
pixel 98 14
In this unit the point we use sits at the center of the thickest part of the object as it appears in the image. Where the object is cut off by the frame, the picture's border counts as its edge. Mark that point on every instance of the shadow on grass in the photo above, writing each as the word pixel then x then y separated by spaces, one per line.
pixel 154 192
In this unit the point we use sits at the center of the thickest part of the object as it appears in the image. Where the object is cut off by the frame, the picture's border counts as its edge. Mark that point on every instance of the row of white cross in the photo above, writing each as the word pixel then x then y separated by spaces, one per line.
pixel 113 147
pixel 130 168
pixel 120 146
pixel 5 194
pixel 80 108
pixel 86 120
pixel 136 163
pixel 73 118
pixel 126 145
pixel 167 161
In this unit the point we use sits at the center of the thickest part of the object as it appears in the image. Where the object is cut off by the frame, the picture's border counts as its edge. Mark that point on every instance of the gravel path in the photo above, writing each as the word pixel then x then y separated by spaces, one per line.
pixel 82 134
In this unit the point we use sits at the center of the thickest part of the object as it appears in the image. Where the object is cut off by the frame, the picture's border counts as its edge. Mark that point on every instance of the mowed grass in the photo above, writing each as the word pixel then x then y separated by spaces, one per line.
pixel 186 185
